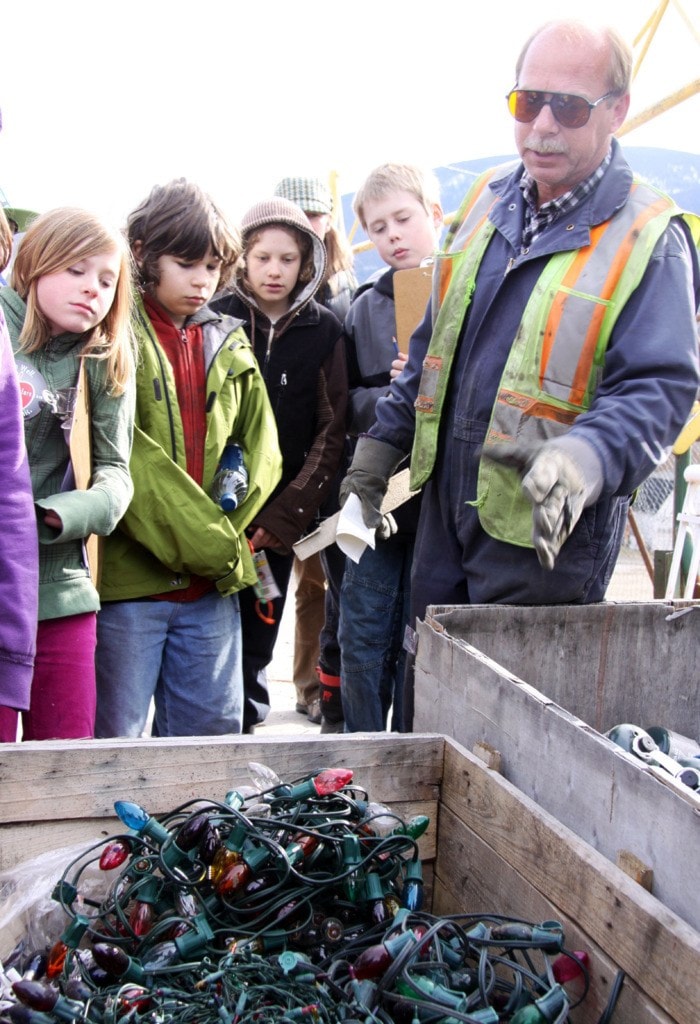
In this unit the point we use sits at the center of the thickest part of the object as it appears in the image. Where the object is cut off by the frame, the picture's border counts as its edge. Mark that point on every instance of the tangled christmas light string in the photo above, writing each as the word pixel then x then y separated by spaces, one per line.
pixel 281 902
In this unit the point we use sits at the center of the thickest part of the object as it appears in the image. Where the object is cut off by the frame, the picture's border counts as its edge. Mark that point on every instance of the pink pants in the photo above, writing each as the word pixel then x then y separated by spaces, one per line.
pixel 62 705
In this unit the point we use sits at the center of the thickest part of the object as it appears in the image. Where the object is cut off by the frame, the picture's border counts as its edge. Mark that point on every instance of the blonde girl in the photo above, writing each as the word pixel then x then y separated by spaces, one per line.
pixel 67 312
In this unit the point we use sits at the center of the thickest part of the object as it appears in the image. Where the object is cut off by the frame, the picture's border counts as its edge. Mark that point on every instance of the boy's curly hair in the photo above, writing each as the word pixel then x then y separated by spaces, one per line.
pixel 179 219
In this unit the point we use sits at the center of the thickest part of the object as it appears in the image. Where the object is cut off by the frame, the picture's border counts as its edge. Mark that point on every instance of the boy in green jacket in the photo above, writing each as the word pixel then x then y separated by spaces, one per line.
pixel 169 628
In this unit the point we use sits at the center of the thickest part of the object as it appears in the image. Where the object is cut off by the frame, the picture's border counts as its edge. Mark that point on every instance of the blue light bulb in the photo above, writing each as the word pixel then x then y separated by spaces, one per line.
pixel 131 814
pixel 141 822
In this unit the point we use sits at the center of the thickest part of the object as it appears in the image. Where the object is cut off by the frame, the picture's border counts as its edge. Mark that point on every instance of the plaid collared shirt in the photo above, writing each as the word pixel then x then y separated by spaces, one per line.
pixel 537 220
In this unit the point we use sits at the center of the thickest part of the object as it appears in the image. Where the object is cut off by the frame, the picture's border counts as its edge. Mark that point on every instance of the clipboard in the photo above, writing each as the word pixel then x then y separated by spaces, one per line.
pixel 411 293
pixel 80 446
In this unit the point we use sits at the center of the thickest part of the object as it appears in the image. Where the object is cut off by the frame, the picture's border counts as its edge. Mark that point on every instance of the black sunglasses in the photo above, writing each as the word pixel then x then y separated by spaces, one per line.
pixel 570 111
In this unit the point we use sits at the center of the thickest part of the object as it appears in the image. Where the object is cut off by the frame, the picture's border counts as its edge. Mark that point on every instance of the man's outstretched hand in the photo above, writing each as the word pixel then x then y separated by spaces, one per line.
pixel 556 485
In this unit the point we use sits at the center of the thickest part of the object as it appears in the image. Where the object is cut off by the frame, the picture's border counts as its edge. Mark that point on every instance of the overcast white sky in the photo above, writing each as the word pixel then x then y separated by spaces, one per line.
pixel 102 101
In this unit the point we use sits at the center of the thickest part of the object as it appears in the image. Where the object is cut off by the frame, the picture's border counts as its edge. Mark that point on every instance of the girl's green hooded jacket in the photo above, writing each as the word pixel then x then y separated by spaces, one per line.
pixel 48 379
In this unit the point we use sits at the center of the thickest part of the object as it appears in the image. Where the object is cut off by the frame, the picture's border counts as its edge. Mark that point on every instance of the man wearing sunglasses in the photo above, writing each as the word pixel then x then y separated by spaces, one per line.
pixel 558 360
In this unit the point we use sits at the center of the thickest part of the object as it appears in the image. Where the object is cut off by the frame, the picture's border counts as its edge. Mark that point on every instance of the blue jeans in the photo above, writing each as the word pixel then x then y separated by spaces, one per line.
pixel 185 655
pixel 374 607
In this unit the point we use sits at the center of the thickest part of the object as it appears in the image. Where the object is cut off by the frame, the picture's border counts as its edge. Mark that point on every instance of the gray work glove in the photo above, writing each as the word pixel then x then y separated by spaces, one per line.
pixel 368 477
pixel 387 528
pixel 560 479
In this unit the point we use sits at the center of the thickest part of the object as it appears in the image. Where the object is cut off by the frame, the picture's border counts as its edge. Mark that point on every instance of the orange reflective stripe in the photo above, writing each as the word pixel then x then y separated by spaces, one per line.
pixel 582 373
pixel 468 204
pixel 532 407
pixel 471 200
pixel 446 266
pixel 583 370
pixel 557 309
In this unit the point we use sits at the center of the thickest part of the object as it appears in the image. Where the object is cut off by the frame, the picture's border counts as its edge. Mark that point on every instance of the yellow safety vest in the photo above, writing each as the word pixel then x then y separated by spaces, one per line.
pixel 556 359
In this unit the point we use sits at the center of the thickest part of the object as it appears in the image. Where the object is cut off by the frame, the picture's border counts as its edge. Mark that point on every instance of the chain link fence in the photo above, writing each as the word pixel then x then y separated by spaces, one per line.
pixel 653 515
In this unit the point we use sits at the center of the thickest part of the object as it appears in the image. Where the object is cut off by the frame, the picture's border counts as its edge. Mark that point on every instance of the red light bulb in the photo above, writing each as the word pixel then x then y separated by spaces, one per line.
pixel 302 846
pixel 68 941
pixel 56 959
pixel 566 968
pixel 114 854
pixel 331 780
pixel 143 913
pixel 373 961
pixel 141 918
pixel 134 999
pixel 236 877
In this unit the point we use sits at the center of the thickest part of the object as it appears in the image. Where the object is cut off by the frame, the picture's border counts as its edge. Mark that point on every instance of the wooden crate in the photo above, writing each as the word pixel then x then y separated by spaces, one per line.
pixel 491 849
pixel 539 684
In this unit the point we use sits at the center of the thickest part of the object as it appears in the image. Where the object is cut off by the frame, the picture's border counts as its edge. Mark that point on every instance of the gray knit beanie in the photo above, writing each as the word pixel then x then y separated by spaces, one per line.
pixel 275 211
pixel 282 211
pixel 310 194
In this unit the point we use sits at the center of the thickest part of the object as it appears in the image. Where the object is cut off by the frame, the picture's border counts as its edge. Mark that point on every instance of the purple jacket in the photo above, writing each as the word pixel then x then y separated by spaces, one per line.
pixel 19 571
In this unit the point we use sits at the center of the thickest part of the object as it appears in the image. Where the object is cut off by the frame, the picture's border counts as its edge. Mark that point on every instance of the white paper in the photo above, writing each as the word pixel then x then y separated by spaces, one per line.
pixel 352 536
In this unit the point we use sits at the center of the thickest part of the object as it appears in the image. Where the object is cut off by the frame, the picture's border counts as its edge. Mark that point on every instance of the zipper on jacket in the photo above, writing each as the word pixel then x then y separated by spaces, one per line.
pixel 270 337
pixel 150 331
pixel 231 347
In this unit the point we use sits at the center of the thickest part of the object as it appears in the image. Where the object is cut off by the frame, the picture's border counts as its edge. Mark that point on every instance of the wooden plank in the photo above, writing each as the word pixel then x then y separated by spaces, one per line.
pixel 657 949
pixel 488 754
pixel 628 648
pixel 55 793
pixel 471 878
pixel 637 870
pixel 84 778
pixel 577 775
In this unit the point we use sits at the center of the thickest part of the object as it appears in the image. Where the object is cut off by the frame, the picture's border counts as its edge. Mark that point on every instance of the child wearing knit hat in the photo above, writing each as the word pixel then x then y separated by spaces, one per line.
pixel 299 348
pixel 314 197
pixel 316 664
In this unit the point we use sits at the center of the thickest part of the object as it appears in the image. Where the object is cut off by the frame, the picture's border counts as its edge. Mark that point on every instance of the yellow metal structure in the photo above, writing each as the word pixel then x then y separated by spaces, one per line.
pixel 640 46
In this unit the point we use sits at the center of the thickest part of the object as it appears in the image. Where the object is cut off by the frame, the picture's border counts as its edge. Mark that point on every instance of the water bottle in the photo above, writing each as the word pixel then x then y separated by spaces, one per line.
pixel 230 484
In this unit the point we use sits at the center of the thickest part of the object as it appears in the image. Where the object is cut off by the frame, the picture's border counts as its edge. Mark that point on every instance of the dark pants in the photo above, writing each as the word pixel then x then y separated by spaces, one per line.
pixel 333 561
pixel 260 624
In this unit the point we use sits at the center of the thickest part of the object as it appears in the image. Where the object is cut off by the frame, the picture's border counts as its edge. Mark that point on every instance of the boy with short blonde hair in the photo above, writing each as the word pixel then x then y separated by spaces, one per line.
pixel 399 207
pixel 387 178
